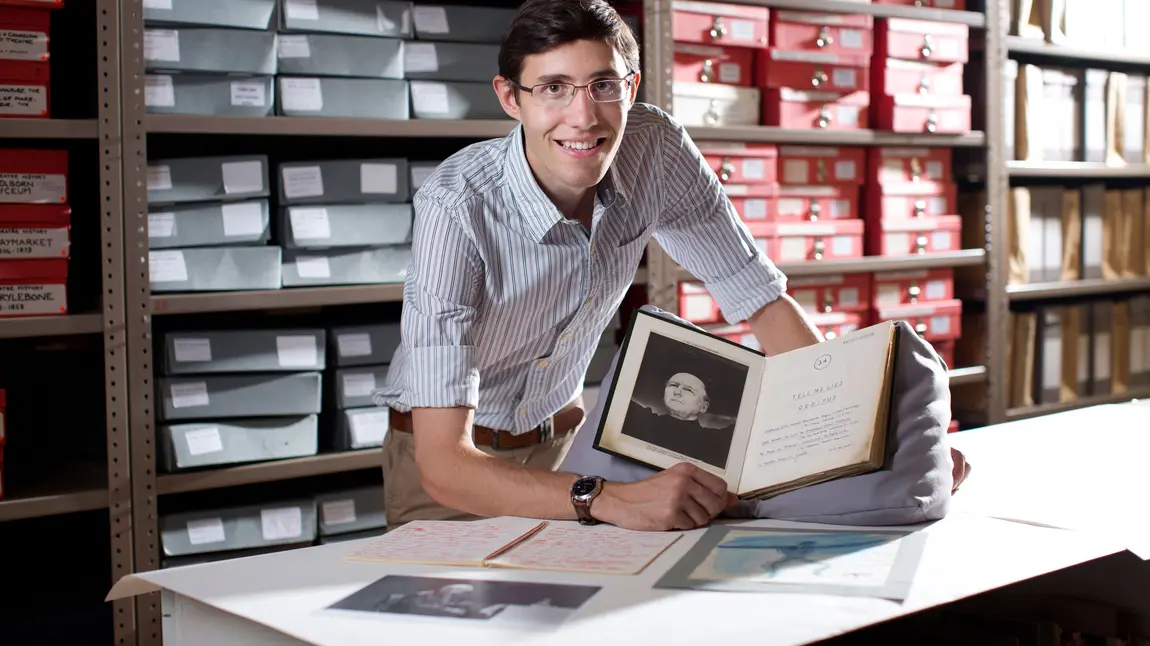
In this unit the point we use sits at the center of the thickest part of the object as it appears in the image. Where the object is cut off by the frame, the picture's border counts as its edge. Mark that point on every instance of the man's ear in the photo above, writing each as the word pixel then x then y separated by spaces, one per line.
pixel 635 87
pixel 508 96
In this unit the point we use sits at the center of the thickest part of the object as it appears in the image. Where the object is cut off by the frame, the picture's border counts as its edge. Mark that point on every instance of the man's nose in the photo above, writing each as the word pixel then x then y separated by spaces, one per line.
pixel 581 111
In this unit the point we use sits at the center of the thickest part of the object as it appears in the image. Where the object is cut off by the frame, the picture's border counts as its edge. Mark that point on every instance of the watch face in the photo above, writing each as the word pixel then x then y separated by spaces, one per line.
pixel 584 487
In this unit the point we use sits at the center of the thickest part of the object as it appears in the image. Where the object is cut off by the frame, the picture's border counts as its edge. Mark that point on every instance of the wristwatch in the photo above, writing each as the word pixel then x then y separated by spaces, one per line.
pixel 583 492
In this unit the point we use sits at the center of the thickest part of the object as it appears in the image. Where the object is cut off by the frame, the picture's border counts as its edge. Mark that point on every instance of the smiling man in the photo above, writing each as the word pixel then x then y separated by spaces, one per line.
pixel 522 250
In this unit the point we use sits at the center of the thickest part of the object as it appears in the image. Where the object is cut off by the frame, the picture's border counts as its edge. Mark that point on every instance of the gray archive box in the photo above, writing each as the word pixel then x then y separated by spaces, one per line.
pixel 213 443
pixel 241 14
pixel 351 511
pixel 230 351
pixel 216 557
pixel 207 224
pixel 210 49
pixel 438 61
pixel 238 528
pixel 340 55
pixel 201 179
pixel 209 94
pixel 312 267
pixel 454 100
pixel 420 171
pixel 246 395
pixel 214 269
pixel 355 536
pixel 342 97
pixel 362 428
pixel 345 225
pixel 354 386
pixel 344 181
pixel 364 345
pixel 388 18
pixel 461 22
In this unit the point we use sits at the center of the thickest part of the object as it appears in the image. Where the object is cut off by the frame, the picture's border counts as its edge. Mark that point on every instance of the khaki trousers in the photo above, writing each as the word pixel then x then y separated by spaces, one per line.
pixel 404 497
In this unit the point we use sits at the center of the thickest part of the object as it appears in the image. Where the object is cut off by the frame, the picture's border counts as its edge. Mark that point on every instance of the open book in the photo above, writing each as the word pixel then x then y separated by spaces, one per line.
pixel 514 542
pixel 766 425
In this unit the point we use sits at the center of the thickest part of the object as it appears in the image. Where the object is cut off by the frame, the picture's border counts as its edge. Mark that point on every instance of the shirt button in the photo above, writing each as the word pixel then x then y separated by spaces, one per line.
pixel 542 364
pixel 523 411
pixel 589 300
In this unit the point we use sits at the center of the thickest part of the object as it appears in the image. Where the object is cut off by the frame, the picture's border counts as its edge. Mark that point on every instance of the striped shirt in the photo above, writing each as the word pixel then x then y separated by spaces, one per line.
pixel 505 299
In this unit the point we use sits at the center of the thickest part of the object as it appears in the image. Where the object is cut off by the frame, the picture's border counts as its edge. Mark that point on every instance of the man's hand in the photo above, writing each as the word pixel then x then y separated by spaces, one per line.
pixel 681 497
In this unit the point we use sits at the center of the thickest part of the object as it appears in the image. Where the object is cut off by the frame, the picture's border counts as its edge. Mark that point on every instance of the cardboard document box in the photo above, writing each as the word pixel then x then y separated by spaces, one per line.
pixel 1093 243
pixel 364 345
pixel 24 34
pixel 714 64
pixel 320 267
pixel 237 528
pixel 341 55
pixel 24 89
pixel 240 14
pixel 707 104
pixel 454 100
pixel 352 181
pixel 35 231
pixel 354 386
pixel 362 428
pixel 210 49
pixel 388 18
pixel 214 443
pixel 461 23
pixel 1140 342
pixel 198 179
pixel 442 61
pixel 1049 355
pixel 214 269
pixel 342 97
pixel 895 288
pixel 1101 339
pixel 33 176
pixel 239 395
pixel 33 287
pixel 351 511
pixel 345 225
pixel 232 351
pixel 209 94
pixel 720 23
pixel 209 224
pixel 816 110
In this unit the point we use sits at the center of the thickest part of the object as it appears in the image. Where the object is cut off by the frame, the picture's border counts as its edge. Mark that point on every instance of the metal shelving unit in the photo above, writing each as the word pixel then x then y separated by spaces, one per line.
pixel 49 128
pixel 774 135
pixel 1076 170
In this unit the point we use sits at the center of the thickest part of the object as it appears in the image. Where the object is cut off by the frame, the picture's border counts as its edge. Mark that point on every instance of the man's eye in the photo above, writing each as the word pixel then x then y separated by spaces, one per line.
pixel 553 89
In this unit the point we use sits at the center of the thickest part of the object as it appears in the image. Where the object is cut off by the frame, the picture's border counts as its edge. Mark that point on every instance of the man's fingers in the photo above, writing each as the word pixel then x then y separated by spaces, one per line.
pixel 709 480
pixel 707 500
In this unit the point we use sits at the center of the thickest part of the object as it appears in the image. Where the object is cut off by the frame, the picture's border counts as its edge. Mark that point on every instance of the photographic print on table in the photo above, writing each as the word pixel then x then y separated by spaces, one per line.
pixel 476 600
pixel 765 425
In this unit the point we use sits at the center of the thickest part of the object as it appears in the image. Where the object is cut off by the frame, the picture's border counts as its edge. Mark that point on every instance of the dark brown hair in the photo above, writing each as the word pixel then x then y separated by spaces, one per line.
pixel 543 25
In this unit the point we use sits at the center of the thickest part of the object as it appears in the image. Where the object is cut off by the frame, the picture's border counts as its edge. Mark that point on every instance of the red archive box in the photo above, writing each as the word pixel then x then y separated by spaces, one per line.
pixel 825 294
pixel 803 241
pixel 3 437
pixel 933 321
pixel 23 89
pixel 739 333
pixel 821 165
pixel 754 202
pixel 815 203
pixel 836 324
pixel 741 163
pixel 945 350
pixel 696 304
pixel 822 32
pixel 925 171
pixel 33 4
pixel 928 234
pixel 929 113
pixel 33 288
pixel 29 231
pixel 959 5
pixel 805 110
pixel 33 176
pixel 912 287
pixel 904 201
pixel 717 23
pixel 709 64
pixel 840 73
pixel 893 77
pixel 921 40
pixel 23 34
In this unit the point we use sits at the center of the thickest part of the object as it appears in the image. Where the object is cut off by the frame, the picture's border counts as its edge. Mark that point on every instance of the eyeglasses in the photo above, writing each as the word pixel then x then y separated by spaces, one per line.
pixel 560 95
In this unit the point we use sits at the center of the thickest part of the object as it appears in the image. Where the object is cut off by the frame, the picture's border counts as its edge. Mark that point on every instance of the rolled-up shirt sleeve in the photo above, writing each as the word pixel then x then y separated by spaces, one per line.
pixel 700 229
pixel 440 305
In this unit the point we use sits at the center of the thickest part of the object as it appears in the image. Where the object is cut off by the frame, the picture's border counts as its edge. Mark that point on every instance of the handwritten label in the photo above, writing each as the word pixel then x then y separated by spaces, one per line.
pixel 302 181
pixel 159 178
pixel 431 19
pixel 446 542
pixel 192 394
pixel 161 225
pixel 301 94
pixel 420 57
pixel 32 188
pixel 192 350
pixel 602 549
pixel 23 99
pixel 249 94
pixel 281 523
pixel 167 266
pixel 293 46
pixel 824 432
pixel 206 530
pixel 202 441
pixel 162 45
pixel 34 300
pixel 33 243
pixel 338 512
pixel 23 45
pixel 358 384
pixel 354 345
pixel 159 91
pixel 297 351
pixel 309 224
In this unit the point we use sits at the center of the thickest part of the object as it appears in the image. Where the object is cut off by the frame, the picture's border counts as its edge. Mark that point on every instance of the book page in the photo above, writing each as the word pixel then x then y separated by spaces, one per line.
pixel 602 549
pixel 818 407
pixel 444 542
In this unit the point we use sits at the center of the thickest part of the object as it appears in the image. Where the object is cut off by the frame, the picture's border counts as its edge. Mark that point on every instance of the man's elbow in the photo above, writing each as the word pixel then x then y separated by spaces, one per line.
pixel 439 477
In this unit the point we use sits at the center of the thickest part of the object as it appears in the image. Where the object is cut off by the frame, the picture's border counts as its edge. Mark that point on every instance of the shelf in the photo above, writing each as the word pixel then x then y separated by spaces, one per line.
pixel 40 326
pixel 969 375
pixel 329 127
pixel 869 264
pixel 771 134
pixel 969 18
pixel 1072 55
pixel 1080 170
pixel 1069 289
pixel 48 129
pixel 78 488
pixel 269 471
pixel 1026 412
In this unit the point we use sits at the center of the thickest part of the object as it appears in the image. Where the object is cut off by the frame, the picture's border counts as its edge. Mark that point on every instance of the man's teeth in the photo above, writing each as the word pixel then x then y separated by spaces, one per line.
pixel 580 145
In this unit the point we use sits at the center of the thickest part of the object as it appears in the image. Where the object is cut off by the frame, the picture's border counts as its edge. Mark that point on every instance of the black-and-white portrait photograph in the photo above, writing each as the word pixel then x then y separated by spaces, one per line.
pixel 514 602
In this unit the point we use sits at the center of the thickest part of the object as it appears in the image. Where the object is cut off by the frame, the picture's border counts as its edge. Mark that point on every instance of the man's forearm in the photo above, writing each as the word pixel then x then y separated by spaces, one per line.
pixel 781 326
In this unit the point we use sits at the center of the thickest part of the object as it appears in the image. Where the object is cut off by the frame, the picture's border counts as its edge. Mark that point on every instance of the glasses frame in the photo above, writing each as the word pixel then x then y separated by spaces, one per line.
pixel 628 79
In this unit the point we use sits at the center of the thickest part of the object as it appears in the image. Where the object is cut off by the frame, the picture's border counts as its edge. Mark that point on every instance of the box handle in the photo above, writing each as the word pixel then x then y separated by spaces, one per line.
pixel 718 28
pixel 824 38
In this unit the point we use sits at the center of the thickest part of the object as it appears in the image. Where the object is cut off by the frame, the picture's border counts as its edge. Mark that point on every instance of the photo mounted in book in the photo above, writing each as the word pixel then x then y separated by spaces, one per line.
pixel 766 425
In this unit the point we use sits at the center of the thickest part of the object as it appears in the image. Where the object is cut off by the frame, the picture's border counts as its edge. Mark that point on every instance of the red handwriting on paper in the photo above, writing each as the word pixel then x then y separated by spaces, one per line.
pixel 604 549
pixel 447 542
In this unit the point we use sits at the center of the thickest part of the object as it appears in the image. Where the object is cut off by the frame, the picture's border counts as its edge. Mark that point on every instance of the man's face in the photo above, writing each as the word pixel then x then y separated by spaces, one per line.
pixel 685 396
pixel 570 147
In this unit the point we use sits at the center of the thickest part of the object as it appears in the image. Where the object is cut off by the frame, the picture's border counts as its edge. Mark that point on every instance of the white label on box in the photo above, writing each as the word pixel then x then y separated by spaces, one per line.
pixel 889 294
pixel 281 523
pixel 165 5
pixel 312 267
pixel 162 45
pixel 34 243
pixel 243 219
pixel 851 38
pixel 159 91
pixel 897 242
pixel 302 95
pixel 161 225
pixel 358 384
pixel 159 178
pixel 23 45
pixel 302 9
pixel 309 224
pixel 206 530
pixel 754 169
pixel 339 512
pixel 378 178
pixel 33 299
pixel 303 181
pixel 420 57
pixel 742 30
pixel 948 47
pixel 849 297
pixel 754 209
pixel 729 72
pixel 192 394
pixel 293 46
pixel 700 308
pixel 840 208
pixel 842 245
pixel 243 177
pixel 937 206
pixel 23 99
pixel 202 441
pixel 31 188
pixel 795 171
pixel 844 78
pixel 431 19
pixel 369 429
pixel 793 249
pixel 849 115
pixel 251 94
pixel 845 170
pixel 167 266
pixel 791 206
pixel 419 175
pixel 354 345
pixel 297 351
pixel 935 290
pixel 940 240
pixel 806 300
pixel 934 169
pixel 940 324
pixel 430 98
pixel 192 350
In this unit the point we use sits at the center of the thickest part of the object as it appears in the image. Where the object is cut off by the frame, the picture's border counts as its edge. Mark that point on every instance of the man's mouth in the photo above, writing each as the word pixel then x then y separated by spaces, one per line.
pixel 581 145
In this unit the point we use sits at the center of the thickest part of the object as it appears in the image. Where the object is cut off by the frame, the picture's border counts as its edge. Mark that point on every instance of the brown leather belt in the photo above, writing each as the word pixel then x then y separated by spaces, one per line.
pixel 557 425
